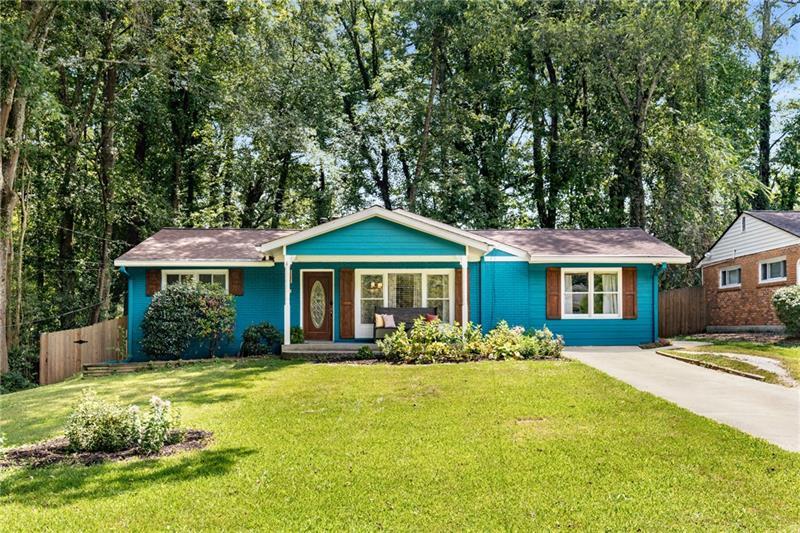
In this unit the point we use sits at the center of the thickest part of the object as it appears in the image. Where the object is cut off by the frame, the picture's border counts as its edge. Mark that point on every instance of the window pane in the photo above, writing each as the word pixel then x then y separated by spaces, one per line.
pixel 606 304
pixel 442 306
pixel 576 304
pixel 372 286
pixel 777 269
pixel 187 277
pixel 205 278
pixel 605 282
pixel 172 279
pixel 405 290
pixel 438 286
pixel 577 282
pixel 219 279
pixel 368 310
pixel 733 277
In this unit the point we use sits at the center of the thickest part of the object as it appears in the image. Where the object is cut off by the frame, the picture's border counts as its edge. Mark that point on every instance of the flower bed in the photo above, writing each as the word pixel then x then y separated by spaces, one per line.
pixel 437 342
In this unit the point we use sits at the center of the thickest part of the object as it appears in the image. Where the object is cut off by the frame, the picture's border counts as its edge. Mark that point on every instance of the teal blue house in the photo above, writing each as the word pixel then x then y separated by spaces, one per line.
pixel 594 287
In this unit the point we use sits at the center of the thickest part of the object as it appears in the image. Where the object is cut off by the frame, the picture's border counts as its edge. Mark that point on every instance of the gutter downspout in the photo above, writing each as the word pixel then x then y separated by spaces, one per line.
pixel 657 273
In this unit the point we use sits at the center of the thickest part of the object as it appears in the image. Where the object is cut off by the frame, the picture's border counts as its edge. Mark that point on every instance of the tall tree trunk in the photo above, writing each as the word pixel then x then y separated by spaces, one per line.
pixel 426 128
pixel 106 179
pixel 16 331
pixel 761 201
pixel 8 202
pixel 636 177
pixel 280 192
pixel 553 142
pixel 12 113
pixel 383 183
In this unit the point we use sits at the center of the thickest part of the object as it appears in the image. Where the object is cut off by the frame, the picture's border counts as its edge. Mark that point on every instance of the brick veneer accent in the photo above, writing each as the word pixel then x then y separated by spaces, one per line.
pixel 750 304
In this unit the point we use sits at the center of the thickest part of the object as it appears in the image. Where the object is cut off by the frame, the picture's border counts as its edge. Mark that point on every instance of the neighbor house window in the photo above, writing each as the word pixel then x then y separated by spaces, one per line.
pixel 772 270
pixel 730 277
pixel 591 293
pixel 219 277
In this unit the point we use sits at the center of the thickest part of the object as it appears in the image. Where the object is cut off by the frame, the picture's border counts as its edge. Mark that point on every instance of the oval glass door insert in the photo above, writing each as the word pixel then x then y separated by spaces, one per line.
pixel 317 304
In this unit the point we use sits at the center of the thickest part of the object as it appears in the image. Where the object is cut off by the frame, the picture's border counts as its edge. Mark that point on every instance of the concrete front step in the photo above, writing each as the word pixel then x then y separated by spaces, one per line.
pixel 328 347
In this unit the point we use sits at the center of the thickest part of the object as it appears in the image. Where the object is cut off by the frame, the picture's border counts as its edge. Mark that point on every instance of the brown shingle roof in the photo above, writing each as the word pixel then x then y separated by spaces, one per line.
pixel 203 245
pixel 628 242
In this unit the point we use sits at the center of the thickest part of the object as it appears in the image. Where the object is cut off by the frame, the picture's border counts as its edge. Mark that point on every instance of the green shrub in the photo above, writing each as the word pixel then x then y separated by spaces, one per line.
pixel 13 381
pixel 100 426
pixel 432 342
pixel 545 344
pixel 436 342
pixel 184 312
pixel 261 339
pixel 364 353
pixel 296 335
pixel 786 302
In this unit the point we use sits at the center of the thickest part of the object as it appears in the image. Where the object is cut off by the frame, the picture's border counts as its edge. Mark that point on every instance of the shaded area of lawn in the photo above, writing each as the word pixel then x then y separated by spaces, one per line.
pixel 511 445
pixel 785 350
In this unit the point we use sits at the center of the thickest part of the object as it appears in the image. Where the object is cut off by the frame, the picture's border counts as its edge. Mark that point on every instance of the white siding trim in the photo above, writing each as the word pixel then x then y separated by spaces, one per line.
pixel 759 237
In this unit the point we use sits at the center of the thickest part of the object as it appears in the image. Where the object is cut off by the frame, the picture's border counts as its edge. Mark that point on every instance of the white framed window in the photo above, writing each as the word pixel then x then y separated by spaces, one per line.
pixel 591 293
pixel 402 287
pixel 170 277
pixel 730 277
pixel 772 270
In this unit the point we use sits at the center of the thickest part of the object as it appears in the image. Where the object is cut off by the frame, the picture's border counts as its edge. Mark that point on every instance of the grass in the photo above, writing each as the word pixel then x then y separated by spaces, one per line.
pixel 491 445
pixel 787 352
pixel 727 362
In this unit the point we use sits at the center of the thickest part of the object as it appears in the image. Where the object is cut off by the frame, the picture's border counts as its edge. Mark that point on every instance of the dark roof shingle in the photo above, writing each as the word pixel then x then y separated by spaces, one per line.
pixel 192 244
pixel 628 242
pixel 786 220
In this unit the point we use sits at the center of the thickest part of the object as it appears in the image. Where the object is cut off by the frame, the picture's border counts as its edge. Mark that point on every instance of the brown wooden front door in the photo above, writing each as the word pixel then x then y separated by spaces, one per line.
pixel 318 306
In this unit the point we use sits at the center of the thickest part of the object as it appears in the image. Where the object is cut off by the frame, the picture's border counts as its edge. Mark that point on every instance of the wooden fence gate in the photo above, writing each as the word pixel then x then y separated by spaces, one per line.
pixel 681 312
pixel 63 353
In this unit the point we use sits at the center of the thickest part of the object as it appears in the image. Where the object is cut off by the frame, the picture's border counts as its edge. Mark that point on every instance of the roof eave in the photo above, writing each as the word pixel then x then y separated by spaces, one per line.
pixel 611 259
pixel 192 263
pixel 375 211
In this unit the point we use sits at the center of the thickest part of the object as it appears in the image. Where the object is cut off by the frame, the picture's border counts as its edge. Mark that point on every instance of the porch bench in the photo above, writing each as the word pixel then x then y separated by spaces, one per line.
pixel 402 315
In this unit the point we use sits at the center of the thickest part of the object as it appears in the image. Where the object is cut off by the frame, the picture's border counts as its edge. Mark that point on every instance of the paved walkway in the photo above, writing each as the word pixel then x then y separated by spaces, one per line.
pixel 771 412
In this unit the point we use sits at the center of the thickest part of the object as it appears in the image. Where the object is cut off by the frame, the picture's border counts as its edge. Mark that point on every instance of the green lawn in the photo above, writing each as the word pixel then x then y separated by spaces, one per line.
pixel 727 362
pixel 492 445
pixel 786 352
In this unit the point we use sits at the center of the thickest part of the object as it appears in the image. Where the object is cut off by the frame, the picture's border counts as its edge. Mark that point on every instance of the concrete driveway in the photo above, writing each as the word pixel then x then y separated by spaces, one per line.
pixel 771 412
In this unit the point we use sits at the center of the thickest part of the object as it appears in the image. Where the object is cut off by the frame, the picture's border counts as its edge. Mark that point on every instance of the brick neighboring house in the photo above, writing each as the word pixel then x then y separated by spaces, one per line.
pixel 755 256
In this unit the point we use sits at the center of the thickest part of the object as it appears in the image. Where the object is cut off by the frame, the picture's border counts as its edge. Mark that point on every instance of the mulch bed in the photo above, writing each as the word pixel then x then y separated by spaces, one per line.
pixel 56 451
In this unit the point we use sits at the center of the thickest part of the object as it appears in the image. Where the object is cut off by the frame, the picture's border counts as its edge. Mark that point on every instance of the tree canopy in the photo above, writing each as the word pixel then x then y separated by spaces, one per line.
pixel 119 117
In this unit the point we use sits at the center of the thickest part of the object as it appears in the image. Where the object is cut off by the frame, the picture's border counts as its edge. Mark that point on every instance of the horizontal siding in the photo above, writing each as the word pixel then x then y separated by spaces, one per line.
pixel 758 237
pixel 262 302
pixel 376 236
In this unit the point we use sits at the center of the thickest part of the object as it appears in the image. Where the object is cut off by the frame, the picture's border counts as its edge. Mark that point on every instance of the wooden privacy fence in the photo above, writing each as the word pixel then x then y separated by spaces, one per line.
pixel 681 312
pixel 63 353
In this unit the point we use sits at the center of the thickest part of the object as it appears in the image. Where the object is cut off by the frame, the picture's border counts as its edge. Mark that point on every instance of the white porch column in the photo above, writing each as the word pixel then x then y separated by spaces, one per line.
pixel 464 294
pixel 287 295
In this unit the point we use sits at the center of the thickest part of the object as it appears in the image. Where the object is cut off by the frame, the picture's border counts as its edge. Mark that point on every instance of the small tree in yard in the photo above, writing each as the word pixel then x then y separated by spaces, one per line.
pixel 184 312
pixel 786 302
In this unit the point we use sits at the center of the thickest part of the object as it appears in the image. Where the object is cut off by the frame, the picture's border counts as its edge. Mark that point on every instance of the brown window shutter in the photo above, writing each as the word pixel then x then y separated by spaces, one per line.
pixel 553 290
pixel 347 309
pixel 236 281
pixel 629 307
pixel 152 282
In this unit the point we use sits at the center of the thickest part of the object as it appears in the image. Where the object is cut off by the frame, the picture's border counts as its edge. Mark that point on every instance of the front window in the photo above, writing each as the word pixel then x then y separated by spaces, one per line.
pixel 402 288
pixel 591 293
pixel 219 277
pixel 773 270
pixel 730 277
